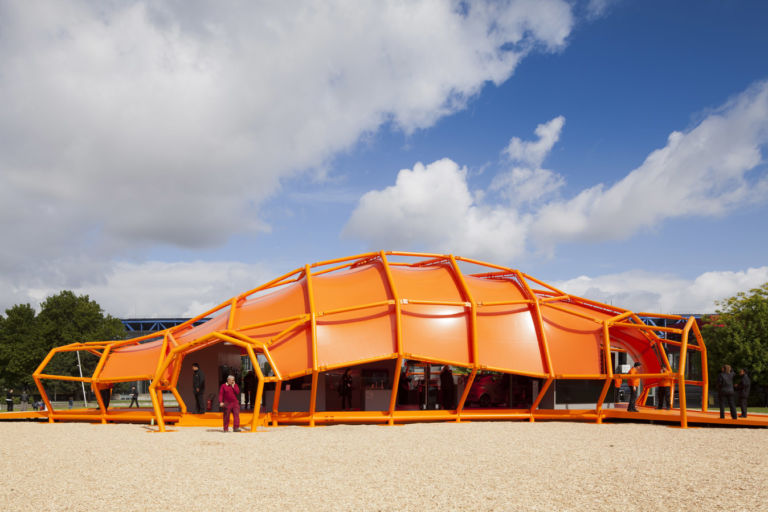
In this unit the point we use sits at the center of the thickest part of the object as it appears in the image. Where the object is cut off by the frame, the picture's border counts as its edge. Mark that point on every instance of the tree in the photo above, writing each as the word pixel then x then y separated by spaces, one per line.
pixel 20 347
pixel 738 335
pixel 64 318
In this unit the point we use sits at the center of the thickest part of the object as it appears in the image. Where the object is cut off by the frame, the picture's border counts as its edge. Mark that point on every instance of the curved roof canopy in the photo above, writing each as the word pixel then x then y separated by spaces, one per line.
pixel 393 305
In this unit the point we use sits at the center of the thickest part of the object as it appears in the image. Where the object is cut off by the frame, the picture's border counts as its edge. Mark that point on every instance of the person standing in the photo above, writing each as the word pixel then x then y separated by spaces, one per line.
pixel 743 386
pixel 9 400
pixel 634 383
pixel 249 385
pixel 345 390
pixel 447 388
pixel 403 386
pixel 134 397
pixel 665 386
pixel 229 400
pixel 198 387
pixel 106 395
pixel 725 391
pixel 24 400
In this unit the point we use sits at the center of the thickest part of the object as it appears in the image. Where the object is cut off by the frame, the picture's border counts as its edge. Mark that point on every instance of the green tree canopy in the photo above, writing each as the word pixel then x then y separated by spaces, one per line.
pixel 738 335
pixel 25 338
pixel 20 346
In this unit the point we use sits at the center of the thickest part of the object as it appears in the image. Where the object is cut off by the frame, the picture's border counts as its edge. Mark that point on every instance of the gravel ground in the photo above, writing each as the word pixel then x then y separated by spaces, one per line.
pixel 441 466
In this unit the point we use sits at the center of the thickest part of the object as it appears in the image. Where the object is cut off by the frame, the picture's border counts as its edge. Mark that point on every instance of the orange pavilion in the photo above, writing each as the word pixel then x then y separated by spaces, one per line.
pixel 396 319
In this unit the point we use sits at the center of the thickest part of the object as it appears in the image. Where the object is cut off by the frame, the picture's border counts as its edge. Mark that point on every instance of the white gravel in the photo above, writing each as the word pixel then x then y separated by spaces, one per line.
pixel 440 466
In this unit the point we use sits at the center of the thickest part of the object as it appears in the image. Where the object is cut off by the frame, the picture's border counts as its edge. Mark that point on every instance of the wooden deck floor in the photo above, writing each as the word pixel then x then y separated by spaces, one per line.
pixel 645 415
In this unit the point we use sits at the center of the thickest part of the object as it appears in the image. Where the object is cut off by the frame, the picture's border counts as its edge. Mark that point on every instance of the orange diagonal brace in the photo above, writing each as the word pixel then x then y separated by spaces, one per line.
pixel 398 335
pixel 313 338
pixel 704 367
pixel 539 323
pixel 681 374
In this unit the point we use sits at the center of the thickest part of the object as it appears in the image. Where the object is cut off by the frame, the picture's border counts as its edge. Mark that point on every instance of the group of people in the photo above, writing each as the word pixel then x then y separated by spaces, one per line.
pixel 727 386
pixel 229 392
pixel 229 398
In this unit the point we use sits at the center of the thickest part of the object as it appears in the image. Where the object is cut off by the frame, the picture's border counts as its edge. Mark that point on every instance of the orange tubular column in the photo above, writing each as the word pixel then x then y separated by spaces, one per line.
pixel 681 374
pixel 704 368
pixel 472 334
pixel 162 364
pixel 539 323
pixel 398 337
pixel 313 336
pixel 259 388
pixel 608 373
pixel 276 401
pixel 39 384
pixel 97 384
pixel 175 383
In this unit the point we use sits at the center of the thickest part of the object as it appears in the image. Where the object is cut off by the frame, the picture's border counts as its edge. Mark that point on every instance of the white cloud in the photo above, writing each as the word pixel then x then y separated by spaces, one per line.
pixel 532 154
pixel 527 183
pixel 431 207
pixel 152 289
pixel 710 170
pixel 191 112
pixel 705 171
pixel 128 125
pixel 521 185
pixel 644 291
pixel 598 8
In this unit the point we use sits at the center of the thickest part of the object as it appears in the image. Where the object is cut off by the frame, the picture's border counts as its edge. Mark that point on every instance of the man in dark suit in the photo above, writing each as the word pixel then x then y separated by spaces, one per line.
pixel 742 385
pixel 198 386
pixel 725 391
pixel 249 386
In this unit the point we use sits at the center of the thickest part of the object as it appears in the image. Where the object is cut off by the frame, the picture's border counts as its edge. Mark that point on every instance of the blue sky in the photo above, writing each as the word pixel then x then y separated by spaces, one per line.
pixel 163 158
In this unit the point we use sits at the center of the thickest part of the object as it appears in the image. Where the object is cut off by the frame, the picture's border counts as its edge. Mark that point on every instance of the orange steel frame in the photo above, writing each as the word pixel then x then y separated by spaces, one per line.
pixel 539 297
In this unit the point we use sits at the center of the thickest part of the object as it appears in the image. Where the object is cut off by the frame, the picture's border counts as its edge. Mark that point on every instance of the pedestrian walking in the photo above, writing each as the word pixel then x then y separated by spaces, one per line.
pixel 634 384
pixel 134 397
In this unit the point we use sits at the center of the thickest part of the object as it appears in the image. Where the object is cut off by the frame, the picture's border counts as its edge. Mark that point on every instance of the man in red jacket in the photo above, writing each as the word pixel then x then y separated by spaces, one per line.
pixel 229 401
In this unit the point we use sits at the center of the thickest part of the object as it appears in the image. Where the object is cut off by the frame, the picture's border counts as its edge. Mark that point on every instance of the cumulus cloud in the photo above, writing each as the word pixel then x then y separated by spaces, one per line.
pixel 644 291
pixel 194 112
pixel 432 206
pixel 521 185
pixel 527 182
pixel 709 170
pixel 130 125
pixel 704 171
pixel 532 154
